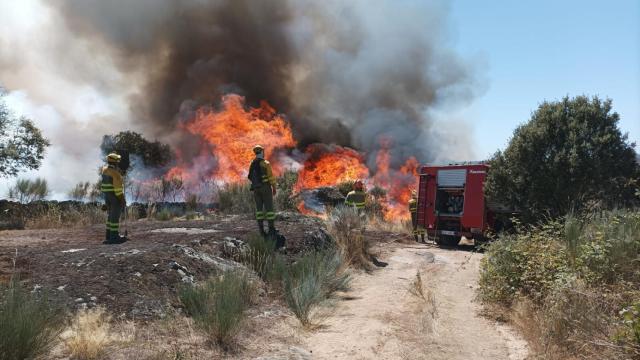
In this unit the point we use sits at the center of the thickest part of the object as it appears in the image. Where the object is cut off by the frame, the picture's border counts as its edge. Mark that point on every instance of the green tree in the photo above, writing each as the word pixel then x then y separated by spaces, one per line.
pixel 80 191
pixel 570 153
pixel 26 191
pixel 22 145
pixel 153 154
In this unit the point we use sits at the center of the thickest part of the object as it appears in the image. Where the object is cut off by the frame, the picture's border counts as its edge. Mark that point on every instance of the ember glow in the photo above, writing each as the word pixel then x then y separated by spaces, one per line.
pixel 229 134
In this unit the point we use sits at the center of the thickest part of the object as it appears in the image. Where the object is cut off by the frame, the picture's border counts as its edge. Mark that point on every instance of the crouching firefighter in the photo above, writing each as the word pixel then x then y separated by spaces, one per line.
pixel 263 185
pixel 413 209
pixel 113 190
pixel 356 198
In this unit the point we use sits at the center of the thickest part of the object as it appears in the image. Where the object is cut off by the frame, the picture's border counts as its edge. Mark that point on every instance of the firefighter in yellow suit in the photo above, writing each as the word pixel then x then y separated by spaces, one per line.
pixel 263 185
pixel 113 190
pixel 357 197
pixel 413 209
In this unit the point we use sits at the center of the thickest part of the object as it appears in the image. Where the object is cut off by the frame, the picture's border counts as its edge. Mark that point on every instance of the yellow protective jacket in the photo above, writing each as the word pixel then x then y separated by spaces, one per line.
pixel 260 172
pixel 356 199
pixel 112 181
pixel 413 205
pixel 267 173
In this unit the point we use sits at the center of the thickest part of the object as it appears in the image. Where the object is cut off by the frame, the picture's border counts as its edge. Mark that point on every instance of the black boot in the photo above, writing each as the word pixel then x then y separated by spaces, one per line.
pixel 107 238
pixel 272 227
pixel 120 239
pixel 422 236
pixel 274 236
pixel 416 237
pixel 115 238
pixel 111 238
pixel 261 228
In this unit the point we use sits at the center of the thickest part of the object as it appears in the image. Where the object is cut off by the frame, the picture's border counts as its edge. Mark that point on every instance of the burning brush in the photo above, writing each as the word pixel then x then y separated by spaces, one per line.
pixel 228 134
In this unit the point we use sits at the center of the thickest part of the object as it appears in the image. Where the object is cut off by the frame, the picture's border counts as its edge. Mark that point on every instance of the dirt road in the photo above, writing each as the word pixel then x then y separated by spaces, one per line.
pixel 388 319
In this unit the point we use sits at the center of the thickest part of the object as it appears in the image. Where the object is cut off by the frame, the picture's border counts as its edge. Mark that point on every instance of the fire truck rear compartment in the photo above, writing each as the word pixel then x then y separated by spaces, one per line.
pixel 450 201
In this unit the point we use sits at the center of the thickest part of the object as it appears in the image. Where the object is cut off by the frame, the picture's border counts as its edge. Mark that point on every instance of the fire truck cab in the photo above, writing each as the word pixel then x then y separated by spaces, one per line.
pixel 451 202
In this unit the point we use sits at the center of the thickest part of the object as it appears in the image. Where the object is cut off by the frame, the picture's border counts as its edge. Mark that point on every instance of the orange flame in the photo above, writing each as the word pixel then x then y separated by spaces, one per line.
pixel 329 165
pixel 397 183
pixel 232 132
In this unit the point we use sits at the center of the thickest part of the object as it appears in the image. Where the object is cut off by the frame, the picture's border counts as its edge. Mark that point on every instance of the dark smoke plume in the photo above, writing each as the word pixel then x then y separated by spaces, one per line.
pixel 344 72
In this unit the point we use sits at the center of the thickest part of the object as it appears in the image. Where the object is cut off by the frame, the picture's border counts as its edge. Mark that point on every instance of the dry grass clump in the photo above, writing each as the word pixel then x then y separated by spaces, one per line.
pixel 261 257
pixel 380 224
pixel 29 325
pixel 312 280
pixel 346 226
pixel 236 199
pixel 53 217
pixel 417 287
pixel 89 335
pixel 218 307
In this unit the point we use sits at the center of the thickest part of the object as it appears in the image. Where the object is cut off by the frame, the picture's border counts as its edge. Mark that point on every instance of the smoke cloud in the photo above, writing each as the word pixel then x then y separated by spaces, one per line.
pixel 349 73
pixel 345 72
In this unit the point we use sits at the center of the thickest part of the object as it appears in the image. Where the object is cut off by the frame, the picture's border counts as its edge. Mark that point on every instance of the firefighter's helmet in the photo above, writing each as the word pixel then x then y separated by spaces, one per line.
pixel 358 185
pixel 414 194
pixel 258 149
pixel 113 158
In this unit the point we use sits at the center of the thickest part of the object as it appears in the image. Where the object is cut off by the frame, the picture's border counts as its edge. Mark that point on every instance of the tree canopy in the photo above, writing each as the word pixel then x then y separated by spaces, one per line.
pixel 22 145
pixel 153 154
pixel 570 153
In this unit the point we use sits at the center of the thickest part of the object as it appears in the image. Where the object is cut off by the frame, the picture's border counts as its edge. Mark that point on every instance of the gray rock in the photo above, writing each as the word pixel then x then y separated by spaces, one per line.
pixel 202 256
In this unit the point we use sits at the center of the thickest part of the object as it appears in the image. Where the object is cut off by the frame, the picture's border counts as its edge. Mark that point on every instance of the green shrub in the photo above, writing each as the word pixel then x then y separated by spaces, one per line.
pixel 262 258
pixel 29 325
pixel 312 280
pixel 611 246
pixel 191 201
pixel 527 263
pixel 630 332
pixel 236 199
pixel 583 276
pixel 218 306
pixel 164 215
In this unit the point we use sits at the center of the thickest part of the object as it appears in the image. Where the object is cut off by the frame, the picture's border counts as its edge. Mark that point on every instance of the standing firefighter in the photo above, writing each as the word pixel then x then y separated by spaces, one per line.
pixel 263 185
pixel 113 189
pixel 413 209
pixel 357 197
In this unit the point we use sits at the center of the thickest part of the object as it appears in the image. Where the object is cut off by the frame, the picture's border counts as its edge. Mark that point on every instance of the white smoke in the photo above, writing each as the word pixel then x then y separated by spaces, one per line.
pixel 70 90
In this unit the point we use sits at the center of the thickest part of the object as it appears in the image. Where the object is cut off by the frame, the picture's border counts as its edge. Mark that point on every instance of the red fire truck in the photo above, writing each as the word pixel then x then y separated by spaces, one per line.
pixel 451 203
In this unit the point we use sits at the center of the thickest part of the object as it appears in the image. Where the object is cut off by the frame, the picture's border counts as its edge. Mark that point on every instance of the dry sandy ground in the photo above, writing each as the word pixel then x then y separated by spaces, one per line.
pixel 383 318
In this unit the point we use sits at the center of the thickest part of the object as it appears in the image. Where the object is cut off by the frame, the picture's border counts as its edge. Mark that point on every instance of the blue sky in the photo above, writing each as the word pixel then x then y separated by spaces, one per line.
pixel 543 50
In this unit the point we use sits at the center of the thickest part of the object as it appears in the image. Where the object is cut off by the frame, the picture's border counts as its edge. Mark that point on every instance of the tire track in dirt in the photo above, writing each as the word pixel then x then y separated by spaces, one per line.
pixel 384 320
